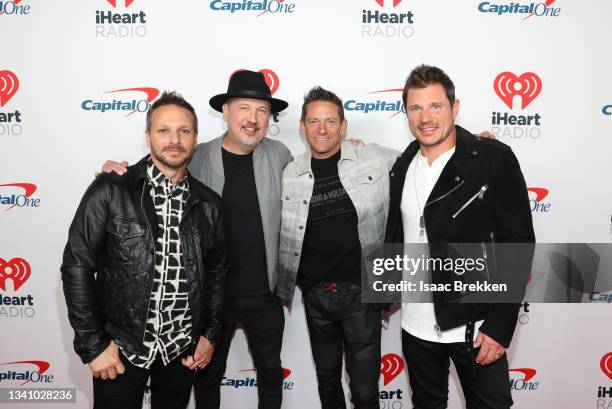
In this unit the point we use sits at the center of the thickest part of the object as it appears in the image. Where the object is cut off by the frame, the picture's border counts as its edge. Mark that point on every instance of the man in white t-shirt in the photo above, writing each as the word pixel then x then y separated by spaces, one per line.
pixel 451 187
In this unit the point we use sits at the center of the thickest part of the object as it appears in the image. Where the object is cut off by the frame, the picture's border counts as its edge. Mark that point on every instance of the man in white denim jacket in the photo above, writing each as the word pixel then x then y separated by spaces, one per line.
pixel 335 200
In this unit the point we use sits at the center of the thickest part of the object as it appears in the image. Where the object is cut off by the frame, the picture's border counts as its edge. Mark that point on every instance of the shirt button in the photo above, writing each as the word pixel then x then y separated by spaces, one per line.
pixel 310 176
pixel 392 174
pixel 296 254
pixel 286 197
pixel 474 152
pixel 301 227
pixel 457 178
pixel 305 202
pixel 369 177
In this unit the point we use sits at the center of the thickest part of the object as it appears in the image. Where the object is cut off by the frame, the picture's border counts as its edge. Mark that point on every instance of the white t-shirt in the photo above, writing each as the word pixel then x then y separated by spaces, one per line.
pixel 418 319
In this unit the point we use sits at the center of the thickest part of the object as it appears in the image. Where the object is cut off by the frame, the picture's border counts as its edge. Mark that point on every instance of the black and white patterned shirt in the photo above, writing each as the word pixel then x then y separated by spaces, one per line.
pixel 168 326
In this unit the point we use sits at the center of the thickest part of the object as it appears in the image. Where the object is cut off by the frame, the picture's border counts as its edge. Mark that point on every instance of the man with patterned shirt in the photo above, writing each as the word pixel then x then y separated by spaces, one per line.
pixel 144 270
pixel 245 168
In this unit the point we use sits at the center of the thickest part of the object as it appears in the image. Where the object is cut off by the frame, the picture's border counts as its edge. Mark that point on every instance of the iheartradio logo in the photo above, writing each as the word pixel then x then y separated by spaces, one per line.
pixel 606 365
pixel 507 85
pixel 381 3
pixel 391 365
pixel 114 2
pixel 9 84
pixel 16 269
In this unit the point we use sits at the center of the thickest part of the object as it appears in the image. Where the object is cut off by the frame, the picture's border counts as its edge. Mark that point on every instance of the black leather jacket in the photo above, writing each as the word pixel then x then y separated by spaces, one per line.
pixel 108 264
pixel 502 216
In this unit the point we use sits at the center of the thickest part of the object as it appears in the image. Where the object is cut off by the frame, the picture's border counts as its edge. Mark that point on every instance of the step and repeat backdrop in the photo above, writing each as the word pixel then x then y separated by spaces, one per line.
pixel 76 78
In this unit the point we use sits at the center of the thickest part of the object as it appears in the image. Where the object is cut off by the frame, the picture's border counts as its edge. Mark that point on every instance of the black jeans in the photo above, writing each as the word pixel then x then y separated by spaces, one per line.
pixel 170 386
pixel 338 320
pixel 484 387
pixel 263 320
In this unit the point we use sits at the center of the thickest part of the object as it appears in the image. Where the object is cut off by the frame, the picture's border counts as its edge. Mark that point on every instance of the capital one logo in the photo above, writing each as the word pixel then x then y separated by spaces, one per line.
pixel 9 84
pixel 19 200
pixel 381 3
pixel 391 365
pixel 507 85
pixel 131 104
pixel 540 193
pixel 606 365
pixel 12 7
pixel 252 382
pixel 526 382
pixel 114 2
pixel 538 204
pixel 37 375
pixel 17 270
pixel 394 107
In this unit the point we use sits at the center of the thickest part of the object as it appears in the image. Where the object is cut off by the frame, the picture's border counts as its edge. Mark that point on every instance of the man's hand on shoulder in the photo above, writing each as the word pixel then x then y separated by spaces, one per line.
pixel 111 166
pixel 486 135
pixel 356 141
pixel 107 365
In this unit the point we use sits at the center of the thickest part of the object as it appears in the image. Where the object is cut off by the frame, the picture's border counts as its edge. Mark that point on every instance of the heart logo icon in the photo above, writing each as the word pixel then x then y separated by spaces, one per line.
pixel 606 364
pixel 381 3
pixel 527 86
pixel 9 84
pixel 390 366
pixel 114 2
pixel 271 79
pixel 17 269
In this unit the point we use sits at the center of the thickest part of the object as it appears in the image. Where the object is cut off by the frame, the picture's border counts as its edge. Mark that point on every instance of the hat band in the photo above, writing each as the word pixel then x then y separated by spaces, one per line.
pixel 249 93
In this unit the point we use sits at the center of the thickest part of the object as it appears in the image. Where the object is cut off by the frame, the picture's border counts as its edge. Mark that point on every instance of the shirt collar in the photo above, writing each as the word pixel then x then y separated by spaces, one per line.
pixel 158 179
pixel 439 162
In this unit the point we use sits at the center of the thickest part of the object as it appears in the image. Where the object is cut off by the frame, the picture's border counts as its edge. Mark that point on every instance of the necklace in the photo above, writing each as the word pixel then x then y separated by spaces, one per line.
pixel 416 193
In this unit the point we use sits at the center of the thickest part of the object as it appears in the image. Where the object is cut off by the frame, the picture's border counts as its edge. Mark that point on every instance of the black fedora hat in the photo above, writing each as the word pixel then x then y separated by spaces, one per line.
pixel 247 84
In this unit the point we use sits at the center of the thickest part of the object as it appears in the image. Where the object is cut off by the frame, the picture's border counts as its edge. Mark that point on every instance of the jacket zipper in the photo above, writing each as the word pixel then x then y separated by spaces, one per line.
pixel 479 195
pixel 443 196
pixel 483 245
pixel 493 250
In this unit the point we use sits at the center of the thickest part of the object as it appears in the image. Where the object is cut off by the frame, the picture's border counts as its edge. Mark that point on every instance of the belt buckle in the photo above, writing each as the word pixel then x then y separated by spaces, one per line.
pixel 330 287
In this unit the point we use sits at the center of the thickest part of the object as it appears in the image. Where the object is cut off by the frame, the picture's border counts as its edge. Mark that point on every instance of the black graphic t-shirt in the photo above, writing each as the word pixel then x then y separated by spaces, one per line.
pixel 331 251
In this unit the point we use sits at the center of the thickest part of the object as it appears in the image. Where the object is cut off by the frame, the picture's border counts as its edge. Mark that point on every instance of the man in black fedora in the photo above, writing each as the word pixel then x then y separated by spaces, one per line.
pixel 245 168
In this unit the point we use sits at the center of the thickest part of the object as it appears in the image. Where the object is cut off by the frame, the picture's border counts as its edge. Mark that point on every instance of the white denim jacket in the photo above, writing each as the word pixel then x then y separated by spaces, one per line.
pixel 364 174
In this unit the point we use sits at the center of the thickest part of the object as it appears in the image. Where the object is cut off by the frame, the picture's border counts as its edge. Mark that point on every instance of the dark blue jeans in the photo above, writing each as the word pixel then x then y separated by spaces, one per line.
pixel 263 320
pixel 337 321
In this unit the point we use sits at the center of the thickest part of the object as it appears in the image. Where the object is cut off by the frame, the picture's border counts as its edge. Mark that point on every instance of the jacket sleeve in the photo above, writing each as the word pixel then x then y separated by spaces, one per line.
pixel 389 156
pixel 514 225
pixel 285 156
pixel 86 240
pixel 215 265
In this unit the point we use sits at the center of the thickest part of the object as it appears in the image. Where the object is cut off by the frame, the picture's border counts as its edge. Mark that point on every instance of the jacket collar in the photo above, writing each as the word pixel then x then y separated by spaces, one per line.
pixel 216 160
pixel 303 162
